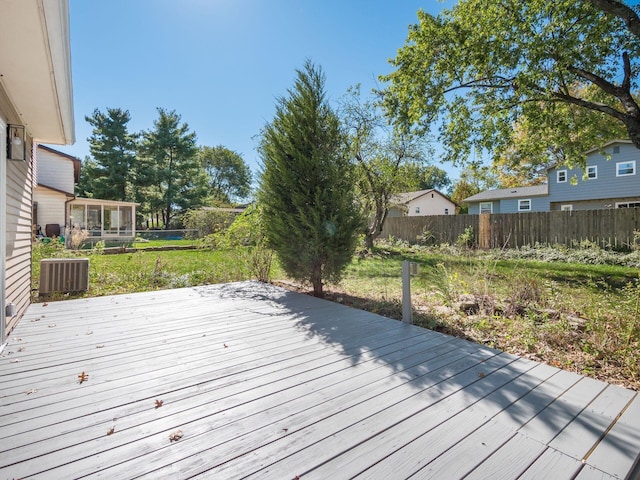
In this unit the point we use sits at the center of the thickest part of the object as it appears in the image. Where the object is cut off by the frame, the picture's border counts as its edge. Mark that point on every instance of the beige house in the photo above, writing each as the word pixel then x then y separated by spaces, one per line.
pixel 36 105
pixel 421 203
pixel 56 210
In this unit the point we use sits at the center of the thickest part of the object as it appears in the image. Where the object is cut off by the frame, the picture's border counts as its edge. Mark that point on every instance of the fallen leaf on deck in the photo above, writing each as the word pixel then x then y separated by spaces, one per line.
pixel 99 346
pixel 83 377
pixel 51 325
pixel 90 332
pixel 159 403
pixel 226 346
pixel 15 360
pixel 32 391
pixel 21 349
pixel 480 374
pixel 111 430
pixel 175 436
pixel 45 304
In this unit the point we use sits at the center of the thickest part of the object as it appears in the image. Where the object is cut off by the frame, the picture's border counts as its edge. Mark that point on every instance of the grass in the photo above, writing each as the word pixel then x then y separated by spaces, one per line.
pixel 163 243
pixel 577 316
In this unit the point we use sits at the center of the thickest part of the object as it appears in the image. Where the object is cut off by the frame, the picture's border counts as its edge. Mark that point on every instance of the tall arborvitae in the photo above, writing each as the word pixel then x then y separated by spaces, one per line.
pixel 310 214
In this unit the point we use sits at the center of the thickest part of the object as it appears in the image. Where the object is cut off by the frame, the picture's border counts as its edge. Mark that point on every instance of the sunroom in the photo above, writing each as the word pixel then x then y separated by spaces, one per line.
pixel 102 219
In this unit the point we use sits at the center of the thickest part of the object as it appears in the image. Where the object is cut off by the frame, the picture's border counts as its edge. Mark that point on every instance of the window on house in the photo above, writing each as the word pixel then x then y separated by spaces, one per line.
pixel 628 205
pixel 592 172
pixel 524 205
pixel 562 176
pixel 446 211
pixel 566 208
pixel 417 209
pixel 486 207
pixel 616 149
pixel 625 168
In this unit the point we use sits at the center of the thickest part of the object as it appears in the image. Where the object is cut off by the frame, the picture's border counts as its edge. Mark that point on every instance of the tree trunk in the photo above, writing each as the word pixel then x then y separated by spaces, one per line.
pixel 316 280
pixel 368 240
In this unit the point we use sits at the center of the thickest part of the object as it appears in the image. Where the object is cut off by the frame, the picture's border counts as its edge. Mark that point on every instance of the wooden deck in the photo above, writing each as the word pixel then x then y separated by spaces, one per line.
pixel 265 383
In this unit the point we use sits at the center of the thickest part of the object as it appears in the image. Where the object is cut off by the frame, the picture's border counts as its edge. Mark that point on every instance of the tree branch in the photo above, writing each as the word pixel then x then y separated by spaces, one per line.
pixel 622 11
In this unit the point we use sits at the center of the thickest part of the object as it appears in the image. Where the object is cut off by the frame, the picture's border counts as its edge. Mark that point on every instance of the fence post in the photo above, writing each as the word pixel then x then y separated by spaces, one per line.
pixel 406 292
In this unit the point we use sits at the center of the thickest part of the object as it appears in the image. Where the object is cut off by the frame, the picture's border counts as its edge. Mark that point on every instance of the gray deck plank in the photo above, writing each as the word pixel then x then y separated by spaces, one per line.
pixel 552 464
pixel 510 460
pixel 251 391
pixel 619 451
pixel 590 424
pixel 271 423
pixel 392 417
pixel 419 451
pixel 326 417
pixel 303 386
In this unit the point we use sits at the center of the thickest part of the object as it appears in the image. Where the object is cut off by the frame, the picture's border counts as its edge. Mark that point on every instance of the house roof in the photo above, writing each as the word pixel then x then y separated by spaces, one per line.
pixel 406 197
pixel 517 192
pixel 612 142
pixel 68 194
pixel 36 68
pixel 98 201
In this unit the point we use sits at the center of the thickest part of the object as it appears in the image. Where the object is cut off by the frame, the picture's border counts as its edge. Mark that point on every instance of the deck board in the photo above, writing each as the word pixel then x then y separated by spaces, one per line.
pixel 266 383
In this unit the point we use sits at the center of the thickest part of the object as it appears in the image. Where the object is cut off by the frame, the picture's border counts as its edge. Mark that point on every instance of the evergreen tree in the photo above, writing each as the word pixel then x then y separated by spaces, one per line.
pixel 108 174
pixel 169 174
pixel 310 214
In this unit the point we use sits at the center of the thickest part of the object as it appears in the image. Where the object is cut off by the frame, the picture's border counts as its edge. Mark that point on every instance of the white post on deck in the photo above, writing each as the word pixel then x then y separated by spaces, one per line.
pixel 406 292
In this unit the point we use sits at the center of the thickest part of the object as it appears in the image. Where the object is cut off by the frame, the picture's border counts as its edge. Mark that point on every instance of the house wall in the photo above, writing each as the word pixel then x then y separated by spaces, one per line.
pixel 510 205
pixel 55 171
pixel 17 244
pixel 431 204
pixel 51 207
pixel 606 187
pixel 474 208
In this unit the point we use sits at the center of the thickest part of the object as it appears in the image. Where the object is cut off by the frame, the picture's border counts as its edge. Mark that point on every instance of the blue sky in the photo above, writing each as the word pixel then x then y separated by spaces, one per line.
pixel 221 64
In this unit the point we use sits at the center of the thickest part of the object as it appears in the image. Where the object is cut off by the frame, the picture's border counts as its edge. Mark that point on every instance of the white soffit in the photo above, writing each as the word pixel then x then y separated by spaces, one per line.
pixel 35 67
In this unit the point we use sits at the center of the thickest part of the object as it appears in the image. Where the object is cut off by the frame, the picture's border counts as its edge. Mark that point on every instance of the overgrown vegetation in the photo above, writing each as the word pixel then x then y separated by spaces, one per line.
pixel 571 308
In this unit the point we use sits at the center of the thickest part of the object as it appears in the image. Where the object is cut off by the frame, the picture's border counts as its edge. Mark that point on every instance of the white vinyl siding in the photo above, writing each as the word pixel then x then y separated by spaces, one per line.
pixel 430 204
pixel 625 168
pixel 55 171
pixel 18 236
pixel 51 207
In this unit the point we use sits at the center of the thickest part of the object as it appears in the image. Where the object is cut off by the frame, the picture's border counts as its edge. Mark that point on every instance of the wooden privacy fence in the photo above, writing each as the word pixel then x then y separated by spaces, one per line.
pixel 613 228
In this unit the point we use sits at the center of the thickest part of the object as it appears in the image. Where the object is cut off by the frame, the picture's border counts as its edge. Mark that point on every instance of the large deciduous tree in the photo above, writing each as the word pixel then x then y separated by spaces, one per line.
pixel 229 175
pixel 108 174
pixel 310 214
pixel 169 172
pixel 380 154
pixel 483 66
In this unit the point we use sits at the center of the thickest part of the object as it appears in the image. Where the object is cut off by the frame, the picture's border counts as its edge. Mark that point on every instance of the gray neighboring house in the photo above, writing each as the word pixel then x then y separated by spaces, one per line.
pixel 609 180
pixel 510 200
